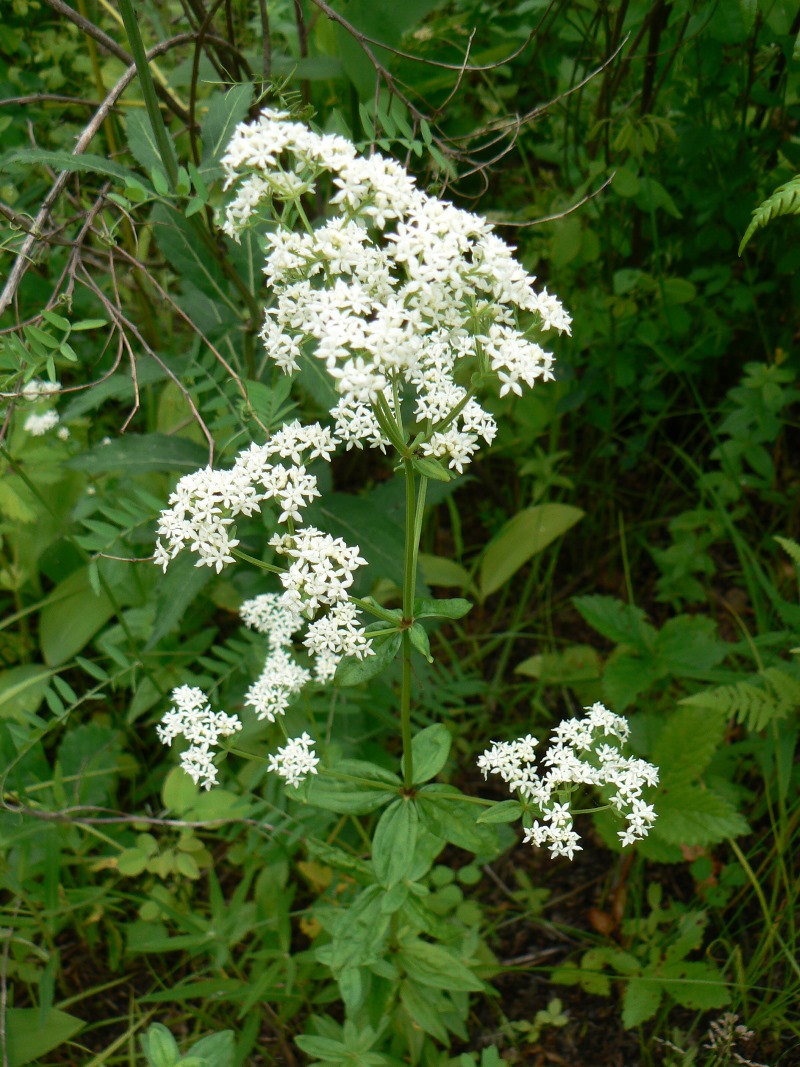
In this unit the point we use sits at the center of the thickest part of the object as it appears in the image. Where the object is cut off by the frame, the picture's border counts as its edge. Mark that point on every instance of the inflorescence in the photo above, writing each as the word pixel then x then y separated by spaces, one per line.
pixel 582 752
pixel 403 297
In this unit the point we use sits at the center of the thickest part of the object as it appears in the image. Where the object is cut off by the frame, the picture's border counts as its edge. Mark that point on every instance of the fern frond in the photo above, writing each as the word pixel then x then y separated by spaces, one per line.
pixel 784 201
pixel 770 694
pixel 790 547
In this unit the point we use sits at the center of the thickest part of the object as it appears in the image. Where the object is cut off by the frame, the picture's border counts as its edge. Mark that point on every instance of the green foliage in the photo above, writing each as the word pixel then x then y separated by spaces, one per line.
pixel 666 440
pixel 654 966
pixel 784 201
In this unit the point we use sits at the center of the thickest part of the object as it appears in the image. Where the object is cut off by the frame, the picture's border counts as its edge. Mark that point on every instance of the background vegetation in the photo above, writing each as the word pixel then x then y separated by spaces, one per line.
pixel 622 146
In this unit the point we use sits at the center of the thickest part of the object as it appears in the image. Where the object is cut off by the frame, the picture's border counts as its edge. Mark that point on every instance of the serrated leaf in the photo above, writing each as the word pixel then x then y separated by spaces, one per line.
pixel 688 645
pixel 138 453
pixel 627 674
pixel 695 984
pixel 141 141
pixel 688 740
pixel 640 1001
pixel 691 815
pixel 85 163
pixel 784 201
pixel 526 534
pixel 624 624
pixel 225 112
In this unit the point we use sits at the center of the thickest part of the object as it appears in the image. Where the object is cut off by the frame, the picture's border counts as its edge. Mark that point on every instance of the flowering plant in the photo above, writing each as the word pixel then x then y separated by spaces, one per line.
pixel 417 311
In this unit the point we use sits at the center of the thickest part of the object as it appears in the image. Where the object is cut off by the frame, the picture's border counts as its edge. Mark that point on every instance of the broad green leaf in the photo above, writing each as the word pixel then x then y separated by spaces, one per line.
pixel 688 814
pixel 628 673
pixel 428 608
pixel 695 984
pixel 423 1009
pixel 363 790
pixel 621 623
pixel 22 689
pixel 420 641
pixel 502 811
pixel 435 966
pixel 640 1000
pixel 30 1035
pixel 527 534
pixel 175 593
pixel 688 740
pixel 160 1047
pixel 353 671
pixel 688 645
pixel 217 1049
pixel 430 749
pixel 189 256
pixel 179 791
pixel 444 572
pixel 394 841
pixel 432 468
pixel 356 519
pixel 137 453
pixel 72 618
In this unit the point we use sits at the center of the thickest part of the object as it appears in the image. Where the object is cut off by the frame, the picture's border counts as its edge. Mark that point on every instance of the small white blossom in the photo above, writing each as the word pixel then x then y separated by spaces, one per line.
pixel 295 761
pixel 39 425
pixel 191 717
pixel 578 755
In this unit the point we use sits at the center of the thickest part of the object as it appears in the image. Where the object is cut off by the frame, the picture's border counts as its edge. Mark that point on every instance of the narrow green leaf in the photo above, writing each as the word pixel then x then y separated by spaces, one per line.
pixel 429 608
pixel 394 841
pixel 527 534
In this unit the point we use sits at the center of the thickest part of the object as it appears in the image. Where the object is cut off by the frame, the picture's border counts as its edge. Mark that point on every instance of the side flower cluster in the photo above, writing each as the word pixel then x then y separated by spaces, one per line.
pixel 321 568
pixel 191 717
pixel 397 293
pixel 582 752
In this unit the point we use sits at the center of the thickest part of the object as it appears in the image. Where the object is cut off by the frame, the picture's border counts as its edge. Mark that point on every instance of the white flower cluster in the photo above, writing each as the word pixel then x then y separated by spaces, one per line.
pixel 203 509
pixel 38 423
pixel 582 752
pixel 191 717
pixel 396 291
pixel 295 761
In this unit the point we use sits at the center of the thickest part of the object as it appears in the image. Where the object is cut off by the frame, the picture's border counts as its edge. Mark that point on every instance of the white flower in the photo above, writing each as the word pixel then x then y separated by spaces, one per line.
pixel 191 717
pixel 39 425
pixel 295 761
pixel 576 756
pixel 396 293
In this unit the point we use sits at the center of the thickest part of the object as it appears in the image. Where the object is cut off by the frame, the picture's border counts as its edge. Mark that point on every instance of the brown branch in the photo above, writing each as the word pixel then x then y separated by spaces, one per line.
pixel 115 49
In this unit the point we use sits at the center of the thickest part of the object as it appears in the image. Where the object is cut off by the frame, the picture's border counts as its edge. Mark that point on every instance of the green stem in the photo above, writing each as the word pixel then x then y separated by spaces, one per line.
pixel 149 91
pixel 413 527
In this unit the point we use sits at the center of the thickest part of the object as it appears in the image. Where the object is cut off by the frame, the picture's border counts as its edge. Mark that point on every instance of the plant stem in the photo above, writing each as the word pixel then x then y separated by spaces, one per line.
pixel 409 582
pixel 149 92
